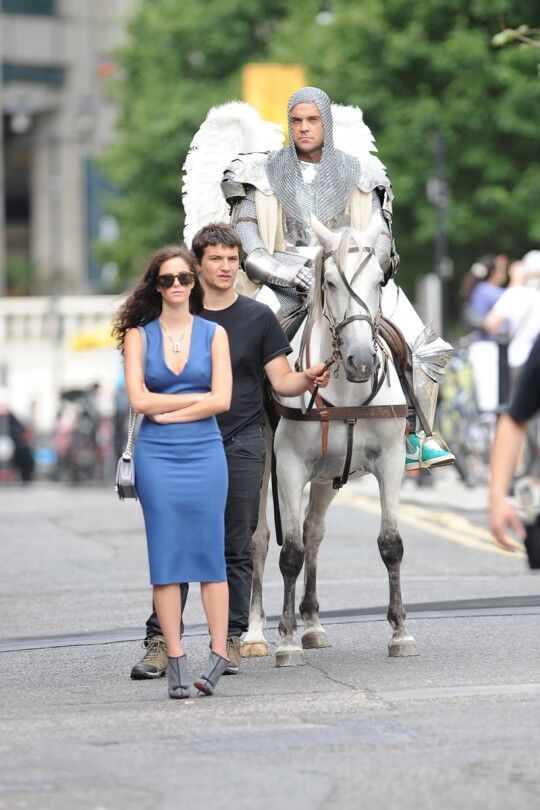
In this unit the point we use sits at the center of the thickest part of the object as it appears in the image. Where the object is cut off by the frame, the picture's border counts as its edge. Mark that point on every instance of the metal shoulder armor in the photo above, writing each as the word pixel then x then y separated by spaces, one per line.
pixel 245 170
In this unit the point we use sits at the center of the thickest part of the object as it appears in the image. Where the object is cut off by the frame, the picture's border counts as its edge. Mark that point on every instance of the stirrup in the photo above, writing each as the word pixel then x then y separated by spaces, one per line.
pixel 420 456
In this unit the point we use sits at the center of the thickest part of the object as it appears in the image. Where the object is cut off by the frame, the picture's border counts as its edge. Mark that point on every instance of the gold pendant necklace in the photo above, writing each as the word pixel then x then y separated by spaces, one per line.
pixel 176 341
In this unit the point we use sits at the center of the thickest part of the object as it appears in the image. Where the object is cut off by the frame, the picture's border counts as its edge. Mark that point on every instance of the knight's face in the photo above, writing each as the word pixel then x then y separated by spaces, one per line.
pixel 307 129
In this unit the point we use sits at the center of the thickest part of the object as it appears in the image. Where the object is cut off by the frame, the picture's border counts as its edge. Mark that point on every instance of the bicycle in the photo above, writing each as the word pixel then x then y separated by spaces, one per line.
pixel 466 428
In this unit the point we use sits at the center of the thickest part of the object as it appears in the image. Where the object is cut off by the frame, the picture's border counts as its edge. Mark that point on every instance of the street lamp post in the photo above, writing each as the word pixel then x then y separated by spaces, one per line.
pixel 3 270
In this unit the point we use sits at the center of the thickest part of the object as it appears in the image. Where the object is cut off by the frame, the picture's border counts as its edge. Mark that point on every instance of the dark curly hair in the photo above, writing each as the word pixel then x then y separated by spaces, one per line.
pixel 144 303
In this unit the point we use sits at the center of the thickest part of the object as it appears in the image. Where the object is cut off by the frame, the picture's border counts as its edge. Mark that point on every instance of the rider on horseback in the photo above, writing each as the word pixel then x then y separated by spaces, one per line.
pixel 273 196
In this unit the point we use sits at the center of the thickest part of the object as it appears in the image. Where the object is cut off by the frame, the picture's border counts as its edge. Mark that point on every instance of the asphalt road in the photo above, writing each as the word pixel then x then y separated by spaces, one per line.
pixel 457 726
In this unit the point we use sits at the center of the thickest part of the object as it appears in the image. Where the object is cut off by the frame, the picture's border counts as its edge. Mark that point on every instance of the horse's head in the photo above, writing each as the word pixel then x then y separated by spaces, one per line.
pixel 350 282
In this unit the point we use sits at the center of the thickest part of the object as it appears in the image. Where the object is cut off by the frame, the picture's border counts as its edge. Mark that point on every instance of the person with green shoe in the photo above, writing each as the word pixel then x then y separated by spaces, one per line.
pixel 273 197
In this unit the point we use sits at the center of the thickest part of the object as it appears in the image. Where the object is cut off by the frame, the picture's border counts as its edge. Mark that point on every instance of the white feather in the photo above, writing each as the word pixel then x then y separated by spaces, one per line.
pixel 353 136
pixel 227 130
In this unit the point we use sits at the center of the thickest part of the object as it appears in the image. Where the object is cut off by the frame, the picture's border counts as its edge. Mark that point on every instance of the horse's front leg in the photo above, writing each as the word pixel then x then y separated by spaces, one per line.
pixel 292 478
pixel 389 472
pixel 320 498
pixel 255 644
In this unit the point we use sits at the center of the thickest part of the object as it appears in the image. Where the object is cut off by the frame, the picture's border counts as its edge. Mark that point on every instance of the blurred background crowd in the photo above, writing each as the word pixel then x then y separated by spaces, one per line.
pixel 100 100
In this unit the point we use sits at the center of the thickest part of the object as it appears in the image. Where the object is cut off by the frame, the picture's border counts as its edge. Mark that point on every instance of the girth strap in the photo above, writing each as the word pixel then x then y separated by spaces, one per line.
pixel 339 482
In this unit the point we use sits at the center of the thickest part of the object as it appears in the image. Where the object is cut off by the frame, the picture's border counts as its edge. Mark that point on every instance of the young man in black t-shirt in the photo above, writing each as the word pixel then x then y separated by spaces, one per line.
pixel 258 347
pixel 509 436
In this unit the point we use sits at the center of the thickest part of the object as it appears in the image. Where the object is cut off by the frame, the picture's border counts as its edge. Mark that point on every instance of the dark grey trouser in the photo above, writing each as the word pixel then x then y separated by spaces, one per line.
pixel 245 452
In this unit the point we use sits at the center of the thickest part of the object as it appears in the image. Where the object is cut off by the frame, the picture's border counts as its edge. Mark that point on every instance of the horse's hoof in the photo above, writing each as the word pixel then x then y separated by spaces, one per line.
pixel 314 640
pixel 254 649
pixel 289 658
pixel 402 647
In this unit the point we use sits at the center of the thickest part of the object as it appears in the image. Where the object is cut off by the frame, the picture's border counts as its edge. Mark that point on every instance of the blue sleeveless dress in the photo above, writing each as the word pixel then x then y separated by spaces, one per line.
pixel 181 471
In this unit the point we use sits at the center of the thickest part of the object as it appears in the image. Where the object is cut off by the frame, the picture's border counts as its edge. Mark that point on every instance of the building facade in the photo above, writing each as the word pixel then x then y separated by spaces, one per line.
pixel 56 62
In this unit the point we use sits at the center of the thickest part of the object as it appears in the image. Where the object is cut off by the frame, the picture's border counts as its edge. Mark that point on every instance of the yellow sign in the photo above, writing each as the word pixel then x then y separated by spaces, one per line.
pixel 96 337
pixel 268 87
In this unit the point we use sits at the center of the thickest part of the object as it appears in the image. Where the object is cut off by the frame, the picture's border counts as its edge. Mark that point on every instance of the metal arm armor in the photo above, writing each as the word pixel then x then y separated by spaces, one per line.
pixel 280 270
pixel 262 268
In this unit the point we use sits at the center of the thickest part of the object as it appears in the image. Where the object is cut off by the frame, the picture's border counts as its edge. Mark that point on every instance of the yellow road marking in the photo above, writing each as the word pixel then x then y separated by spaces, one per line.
pixel 447 525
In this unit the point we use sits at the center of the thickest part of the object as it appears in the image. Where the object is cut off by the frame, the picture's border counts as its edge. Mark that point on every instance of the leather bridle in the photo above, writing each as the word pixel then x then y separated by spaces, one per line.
pixel 336 327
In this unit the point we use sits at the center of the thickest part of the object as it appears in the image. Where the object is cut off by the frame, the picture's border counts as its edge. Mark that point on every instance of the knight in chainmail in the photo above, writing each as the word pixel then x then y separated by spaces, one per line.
pixel 272 197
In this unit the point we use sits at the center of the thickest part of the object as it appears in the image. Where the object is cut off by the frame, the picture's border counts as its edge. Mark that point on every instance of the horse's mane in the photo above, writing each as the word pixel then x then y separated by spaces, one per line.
pixel 347 234
pixel 315 302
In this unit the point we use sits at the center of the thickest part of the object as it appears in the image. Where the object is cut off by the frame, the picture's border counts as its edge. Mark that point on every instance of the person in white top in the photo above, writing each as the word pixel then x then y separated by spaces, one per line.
pixel 517 312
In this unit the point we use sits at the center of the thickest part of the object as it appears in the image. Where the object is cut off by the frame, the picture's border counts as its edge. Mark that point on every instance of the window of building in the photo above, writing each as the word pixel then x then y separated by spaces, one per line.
pixel 39 74
pixel 41 8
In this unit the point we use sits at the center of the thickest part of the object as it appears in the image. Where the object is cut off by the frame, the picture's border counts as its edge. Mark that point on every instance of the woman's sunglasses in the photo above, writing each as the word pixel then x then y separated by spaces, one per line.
pixel 167 279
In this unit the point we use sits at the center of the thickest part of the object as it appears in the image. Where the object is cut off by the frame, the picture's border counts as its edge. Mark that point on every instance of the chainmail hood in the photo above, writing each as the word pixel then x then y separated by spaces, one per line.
pixel 337 173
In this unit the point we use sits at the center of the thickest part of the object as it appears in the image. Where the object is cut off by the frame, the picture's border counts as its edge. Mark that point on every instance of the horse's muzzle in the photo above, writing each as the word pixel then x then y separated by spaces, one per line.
pixel 360 369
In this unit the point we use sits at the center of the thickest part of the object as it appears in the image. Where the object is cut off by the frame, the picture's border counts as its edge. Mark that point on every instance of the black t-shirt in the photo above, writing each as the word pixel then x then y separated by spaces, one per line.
pixel 526 401
pixel 255 338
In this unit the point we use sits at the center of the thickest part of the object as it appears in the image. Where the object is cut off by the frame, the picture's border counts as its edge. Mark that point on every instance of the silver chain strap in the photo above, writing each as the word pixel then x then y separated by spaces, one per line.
pixel 131 432
pixel 134 417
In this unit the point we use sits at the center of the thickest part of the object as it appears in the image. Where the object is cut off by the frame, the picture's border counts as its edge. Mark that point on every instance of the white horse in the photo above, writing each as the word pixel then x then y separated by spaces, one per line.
pixel 343 324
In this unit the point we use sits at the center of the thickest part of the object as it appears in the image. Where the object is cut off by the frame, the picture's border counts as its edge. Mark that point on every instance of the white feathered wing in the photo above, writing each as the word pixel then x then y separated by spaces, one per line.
pixel 228 130
pixel 353 136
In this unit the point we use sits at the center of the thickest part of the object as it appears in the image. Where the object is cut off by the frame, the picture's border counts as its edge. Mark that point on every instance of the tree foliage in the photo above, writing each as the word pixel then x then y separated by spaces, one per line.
pixel 181 58
pixel 423 65
pixel 414 67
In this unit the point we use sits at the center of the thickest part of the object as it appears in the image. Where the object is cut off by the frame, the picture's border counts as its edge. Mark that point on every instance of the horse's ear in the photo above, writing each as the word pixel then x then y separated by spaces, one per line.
pixel 325 236
pixel 373 230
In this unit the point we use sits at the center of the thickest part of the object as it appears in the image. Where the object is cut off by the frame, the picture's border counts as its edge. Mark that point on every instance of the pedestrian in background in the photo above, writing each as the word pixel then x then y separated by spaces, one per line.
pixel 480 288
pixel 180 466
pixel 517 312
pixel 509 437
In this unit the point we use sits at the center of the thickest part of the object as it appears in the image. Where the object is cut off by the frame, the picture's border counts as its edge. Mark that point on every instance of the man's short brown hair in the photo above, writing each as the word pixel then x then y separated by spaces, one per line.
pixel 216 233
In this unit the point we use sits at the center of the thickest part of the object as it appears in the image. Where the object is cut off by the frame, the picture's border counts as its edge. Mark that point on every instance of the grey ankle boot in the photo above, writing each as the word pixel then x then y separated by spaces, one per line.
pixel 212 672
pixel 178 677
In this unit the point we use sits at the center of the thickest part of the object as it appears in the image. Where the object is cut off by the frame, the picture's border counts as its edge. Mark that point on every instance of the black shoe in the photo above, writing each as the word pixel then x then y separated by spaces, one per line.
pixel 178 677
pixel 153 664
pixel 212 672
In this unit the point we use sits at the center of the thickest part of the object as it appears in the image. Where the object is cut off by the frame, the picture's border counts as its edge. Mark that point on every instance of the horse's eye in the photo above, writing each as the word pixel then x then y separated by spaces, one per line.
pixel 330 284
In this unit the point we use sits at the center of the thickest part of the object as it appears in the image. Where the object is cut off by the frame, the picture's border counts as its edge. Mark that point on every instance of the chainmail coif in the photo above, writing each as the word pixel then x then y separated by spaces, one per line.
pixel 337 173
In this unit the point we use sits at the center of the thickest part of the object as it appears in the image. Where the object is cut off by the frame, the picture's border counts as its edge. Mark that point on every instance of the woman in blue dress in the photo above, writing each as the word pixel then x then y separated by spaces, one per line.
pixel 180 465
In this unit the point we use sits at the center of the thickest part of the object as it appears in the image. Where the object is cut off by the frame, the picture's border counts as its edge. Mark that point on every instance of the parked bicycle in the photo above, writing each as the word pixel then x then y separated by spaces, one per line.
pixel 466 428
